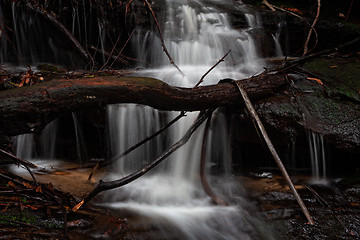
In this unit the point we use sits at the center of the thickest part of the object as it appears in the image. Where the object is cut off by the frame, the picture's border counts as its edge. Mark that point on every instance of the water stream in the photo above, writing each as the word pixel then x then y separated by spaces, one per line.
pixel 171 201
pixel 317 156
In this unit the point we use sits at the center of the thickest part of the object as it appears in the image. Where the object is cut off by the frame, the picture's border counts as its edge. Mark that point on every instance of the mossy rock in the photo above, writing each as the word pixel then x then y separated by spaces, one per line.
pixel 341 76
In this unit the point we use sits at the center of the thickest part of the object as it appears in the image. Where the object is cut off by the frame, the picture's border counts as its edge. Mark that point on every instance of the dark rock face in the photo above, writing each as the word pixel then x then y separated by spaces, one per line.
pixel 337 120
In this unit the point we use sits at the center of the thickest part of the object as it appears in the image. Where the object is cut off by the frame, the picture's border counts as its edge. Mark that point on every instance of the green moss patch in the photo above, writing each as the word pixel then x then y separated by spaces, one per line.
pixel 340 75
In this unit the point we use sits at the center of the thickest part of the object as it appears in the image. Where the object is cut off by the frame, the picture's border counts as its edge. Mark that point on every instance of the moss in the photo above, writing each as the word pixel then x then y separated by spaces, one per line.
pixel 27 217
pixel 49 68
pixel 351 27
pixel 339 75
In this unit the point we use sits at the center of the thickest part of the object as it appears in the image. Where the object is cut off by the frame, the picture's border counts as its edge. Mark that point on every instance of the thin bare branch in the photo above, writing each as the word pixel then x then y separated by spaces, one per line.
pixel 122 49
pixel 295 15
pixel 18 160
pixel 111 53
pixel 220 60
pixel 162 38
pixel 271 147
pixel 129 150
pixel 348 13
pixel 103 186
pixel 270 6
pixel 311 29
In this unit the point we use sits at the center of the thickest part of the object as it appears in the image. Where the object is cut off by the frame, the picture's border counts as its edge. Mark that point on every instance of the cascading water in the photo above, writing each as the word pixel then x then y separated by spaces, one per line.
pixel 26 38
pixel 25 146
pixel 38 148
pixel 171 199
pixel 317 155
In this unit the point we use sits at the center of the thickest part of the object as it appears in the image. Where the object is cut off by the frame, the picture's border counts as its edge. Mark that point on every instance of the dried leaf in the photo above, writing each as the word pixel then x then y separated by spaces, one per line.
pixel 32 207
pixel 11 184
pixel 38 189
pixel 295 10
pixel 316 80
pixel 27 185
pixel 77 206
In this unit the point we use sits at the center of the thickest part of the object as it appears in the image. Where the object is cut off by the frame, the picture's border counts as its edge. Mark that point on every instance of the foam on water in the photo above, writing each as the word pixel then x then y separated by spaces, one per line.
pixel 171 197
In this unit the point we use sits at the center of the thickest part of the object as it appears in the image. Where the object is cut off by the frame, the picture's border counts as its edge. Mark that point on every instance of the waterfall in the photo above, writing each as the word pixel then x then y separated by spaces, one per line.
pixel 27 39
pixel 276 38
pixel 317 155
pixel 79 138
pixel 25 146
pixel 45 148
pixel 171 199
pixel 48 141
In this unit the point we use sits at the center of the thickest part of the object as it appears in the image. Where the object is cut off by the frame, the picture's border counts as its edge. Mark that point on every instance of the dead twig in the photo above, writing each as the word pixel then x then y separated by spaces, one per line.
pixel 103 186
pixel 348 13
pixel 270 6
pixel 23 162
pixel 122 49
pixel 161 37
pixel 53 21
pixel 311 29
pixel 328 205
pixel 132 148
pixel 220 60
pixel 204 182
pixel 312 26
pixel 295 62
pixel 18 160
pixel 111 53
pixel 271 147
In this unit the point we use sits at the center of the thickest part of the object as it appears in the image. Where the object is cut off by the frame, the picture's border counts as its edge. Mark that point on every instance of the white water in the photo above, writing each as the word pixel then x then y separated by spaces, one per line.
pixel 171 198
pixel 317 155
pixel 26 145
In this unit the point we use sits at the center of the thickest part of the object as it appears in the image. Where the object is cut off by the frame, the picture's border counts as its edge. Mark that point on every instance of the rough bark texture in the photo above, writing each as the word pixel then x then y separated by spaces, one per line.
pixel 30 108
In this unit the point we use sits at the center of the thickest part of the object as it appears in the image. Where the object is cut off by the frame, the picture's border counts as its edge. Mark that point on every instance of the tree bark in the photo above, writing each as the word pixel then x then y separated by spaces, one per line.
pixel 29 109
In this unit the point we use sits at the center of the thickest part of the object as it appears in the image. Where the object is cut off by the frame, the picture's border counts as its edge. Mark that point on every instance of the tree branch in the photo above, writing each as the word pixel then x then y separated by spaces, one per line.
pixel 29 109
pixel 162 38
pixel 103 186
pixel 271 147
pixel 49 17
pixel 311 29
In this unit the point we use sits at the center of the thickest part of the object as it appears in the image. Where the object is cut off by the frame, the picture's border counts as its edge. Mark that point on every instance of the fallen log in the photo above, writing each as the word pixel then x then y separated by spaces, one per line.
pixel 29 109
